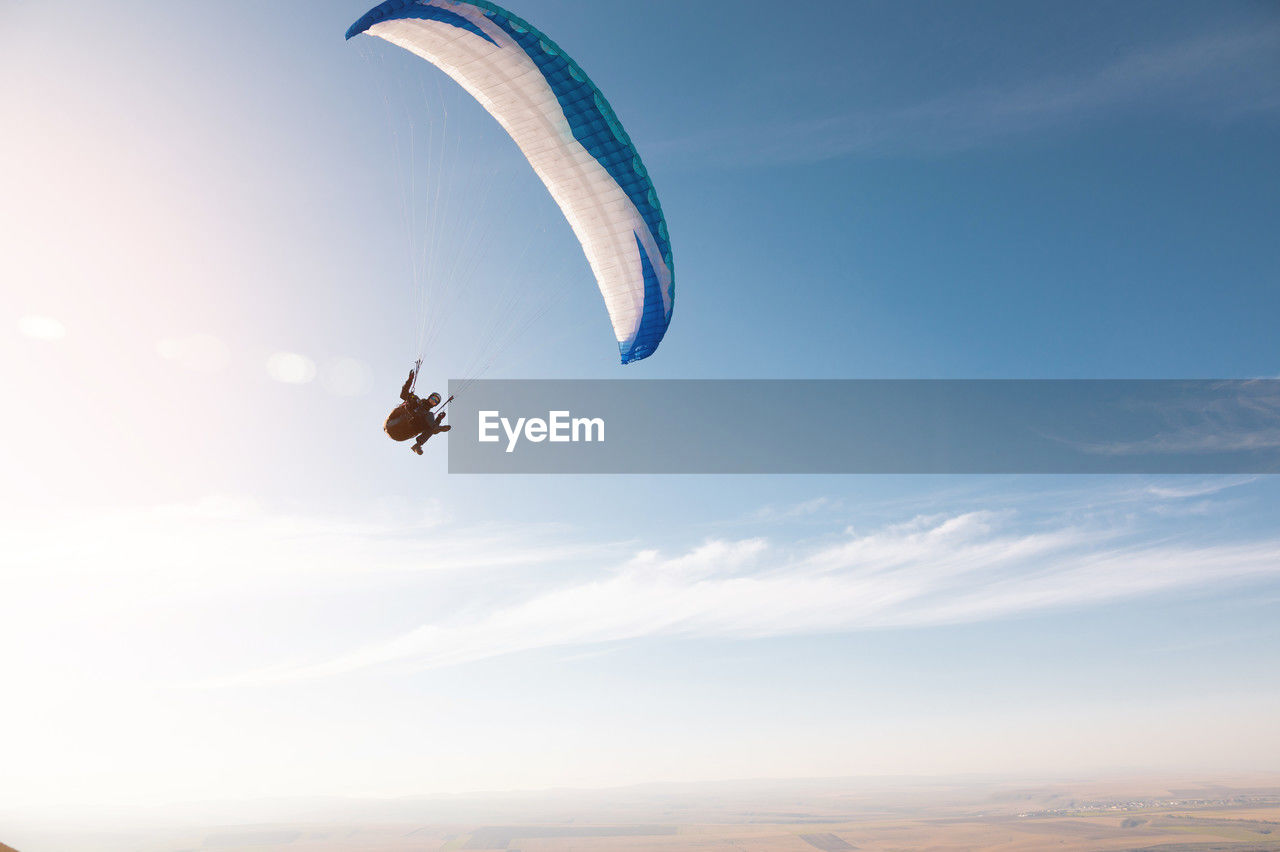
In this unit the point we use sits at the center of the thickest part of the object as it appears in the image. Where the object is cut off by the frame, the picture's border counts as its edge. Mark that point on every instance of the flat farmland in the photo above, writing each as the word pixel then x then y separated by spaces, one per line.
pixel 1241 814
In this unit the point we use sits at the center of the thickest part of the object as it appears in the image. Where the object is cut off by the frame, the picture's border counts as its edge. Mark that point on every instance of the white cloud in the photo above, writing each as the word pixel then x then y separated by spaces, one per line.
pixel 1229 417
pixel 227 548
pixel 807 508
pixel 462 594
pixel 1197 489
pixel 929 571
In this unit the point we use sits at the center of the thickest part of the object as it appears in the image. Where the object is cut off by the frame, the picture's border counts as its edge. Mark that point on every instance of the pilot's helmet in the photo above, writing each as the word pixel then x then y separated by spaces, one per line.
pixel 433 400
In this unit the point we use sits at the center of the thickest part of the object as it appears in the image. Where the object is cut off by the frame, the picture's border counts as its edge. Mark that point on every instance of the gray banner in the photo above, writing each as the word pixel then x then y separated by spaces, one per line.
pixel 890 426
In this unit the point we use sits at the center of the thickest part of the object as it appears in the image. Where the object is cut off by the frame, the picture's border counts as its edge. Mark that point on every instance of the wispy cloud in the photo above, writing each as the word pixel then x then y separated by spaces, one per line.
pixel 1198 489
pixel 1242 417
pixel 929 571
pixel 414 589
pixel 803 509
pixel 231 548
pixel 1223 74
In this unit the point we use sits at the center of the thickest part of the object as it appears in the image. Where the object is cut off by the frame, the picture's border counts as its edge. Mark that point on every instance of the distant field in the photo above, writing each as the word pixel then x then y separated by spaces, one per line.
pixel 829 816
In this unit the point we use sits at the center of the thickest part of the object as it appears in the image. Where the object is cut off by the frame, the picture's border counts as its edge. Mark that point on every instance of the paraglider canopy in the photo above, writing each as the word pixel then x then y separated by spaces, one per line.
pixel 570 135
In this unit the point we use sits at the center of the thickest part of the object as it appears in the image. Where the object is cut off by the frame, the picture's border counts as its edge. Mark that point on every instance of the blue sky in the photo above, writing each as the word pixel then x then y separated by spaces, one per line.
pixel 858 190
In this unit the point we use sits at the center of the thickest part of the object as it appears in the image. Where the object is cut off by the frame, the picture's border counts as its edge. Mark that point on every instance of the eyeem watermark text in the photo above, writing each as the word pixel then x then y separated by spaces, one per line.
pixel 560 427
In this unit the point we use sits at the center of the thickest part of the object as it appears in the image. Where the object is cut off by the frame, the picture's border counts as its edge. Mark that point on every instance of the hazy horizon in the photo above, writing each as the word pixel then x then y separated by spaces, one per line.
pixel 879 813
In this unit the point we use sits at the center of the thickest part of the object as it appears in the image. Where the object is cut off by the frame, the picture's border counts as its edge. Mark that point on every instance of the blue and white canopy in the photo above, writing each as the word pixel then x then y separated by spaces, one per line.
pixel 570 135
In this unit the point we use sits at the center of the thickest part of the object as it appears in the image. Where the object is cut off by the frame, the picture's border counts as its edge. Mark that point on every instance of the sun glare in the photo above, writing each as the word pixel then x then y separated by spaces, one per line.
pixel 290 368
pixel 42 328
